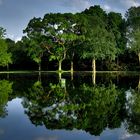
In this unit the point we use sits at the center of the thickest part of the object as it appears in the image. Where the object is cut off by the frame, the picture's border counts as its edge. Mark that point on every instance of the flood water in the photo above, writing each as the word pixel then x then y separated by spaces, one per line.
pixel 71 108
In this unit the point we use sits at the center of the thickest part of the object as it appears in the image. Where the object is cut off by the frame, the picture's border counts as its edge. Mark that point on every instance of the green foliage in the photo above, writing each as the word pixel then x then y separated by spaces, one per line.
pixel 2 32
pixel 133 29
pixel 135 41
pixel 133 18
pixel 5 57
pixel 5 90
pixel 99 47
pixel 75 108
pixel 33 41
pixel 133 112
pixel 117 25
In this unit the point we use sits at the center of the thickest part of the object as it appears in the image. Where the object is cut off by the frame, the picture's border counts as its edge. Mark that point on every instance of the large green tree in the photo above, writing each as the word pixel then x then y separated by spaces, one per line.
pixel 61 28
pixel 99 42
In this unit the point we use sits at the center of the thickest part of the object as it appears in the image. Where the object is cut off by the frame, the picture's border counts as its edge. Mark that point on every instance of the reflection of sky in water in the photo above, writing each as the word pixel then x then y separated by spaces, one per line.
pixel 17 126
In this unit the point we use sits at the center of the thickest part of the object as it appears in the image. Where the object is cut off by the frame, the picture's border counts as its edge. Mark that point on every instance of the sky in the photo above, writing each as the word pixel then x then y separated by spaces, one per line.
pixel 15 14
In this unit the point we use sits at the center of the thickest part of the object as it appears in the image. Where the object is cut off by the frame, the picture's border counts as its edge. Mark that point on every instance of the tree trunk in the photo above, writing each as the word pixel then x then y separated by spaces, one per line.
pixel 93 65
pixel 139 57
pixel 60 66
pixel 71 67
pixel 39 67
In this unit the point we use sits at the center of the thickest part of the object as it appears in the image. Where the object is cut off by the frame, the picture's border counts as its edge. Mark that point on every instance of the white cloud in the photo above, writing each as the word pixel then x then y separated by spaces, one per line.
pixel 13 37
pixel 129 3
pixel 120 6
pixel 107 7
pixel 78 5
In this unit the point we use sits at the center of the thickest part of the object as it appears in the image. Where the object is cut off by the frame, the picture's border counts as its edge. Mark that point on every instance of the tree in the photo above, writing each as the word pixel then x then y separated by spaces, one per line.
pixel 133 29
pixel 5 57
pixel 61 29
pixel 33 41
pixel 117 25
pixel 135 42
pixel 99 43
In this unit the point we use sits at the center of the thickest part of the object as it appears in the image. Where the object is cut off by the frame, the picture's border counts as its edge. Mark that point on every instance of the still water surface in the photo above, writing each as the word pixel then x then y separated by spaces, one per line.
pixel 47 108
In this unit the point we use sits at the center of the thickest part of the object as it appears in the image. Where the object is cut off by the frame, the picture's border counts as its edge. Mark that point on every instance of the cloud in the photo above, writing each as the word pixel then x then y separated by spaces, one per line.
pixel 13 37
pixel 120 6
pixel 78 5
pixel 129 3
pixel 107 7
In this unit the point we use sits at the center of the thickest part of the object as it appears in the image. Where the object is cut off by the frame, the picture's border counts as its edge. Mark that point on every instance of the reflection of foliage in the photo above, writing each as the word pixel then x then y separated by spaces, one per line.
pixel 35 93
pixel 88 108
pixel 37 100
pixel 5 90
pixel 102 107
pixel 134 113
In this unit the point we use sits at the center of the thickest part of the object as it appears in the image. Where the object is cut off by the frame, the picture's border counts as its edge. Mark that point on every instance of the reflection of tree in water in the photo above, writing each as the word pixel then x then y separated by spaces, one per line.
pixel 89 108
pixel 133 119
pixel 5 90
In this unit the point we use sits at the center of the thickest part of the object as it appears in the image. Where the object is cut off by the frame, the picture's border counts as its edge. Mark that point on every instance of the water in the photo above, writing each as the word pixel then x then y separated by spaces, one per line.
pixel 49 108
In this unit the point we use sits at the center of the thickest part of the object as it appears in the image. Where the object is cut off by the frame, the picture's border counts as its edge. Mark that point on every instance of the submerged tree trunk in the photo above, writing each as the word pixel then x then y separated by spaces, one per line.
pixel 39 76
pixel 39 66
pixel 71 67
pixel 94 71
pixel 139 57
pixel 60 66
pixel 94 78
pixel 93 65
pixel 60 76
pixel 71 76
pixel 139 85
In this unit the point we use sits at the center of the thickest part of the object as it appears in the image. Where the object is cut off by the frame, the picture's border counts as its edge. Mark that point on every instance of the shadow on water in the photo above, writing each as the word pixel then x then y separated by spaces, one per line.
pixel 75 103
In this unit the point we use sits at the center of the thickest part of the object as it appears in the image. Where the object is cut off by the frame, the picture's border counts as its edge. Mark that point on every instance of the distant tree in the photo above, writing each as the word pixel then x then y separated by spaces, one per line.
pixel 133 29
pixel 5 57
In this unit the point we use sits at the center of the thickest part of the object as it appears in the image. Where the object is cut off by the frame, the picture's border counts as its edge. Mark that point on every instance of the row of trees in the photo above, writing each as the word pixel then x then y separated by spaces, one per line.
pixel 90 35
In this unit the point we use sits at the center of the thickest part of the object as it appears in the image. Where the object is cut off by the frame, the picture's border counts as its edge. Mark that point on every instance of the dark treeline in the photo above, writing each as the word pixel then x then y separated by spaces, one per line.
pixel 91 40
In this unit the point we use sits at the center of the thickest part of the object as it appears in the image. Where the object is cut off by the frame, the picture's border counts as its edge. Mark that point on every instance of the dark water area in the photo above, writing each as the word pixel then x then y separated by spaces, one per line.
pixel 78 107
